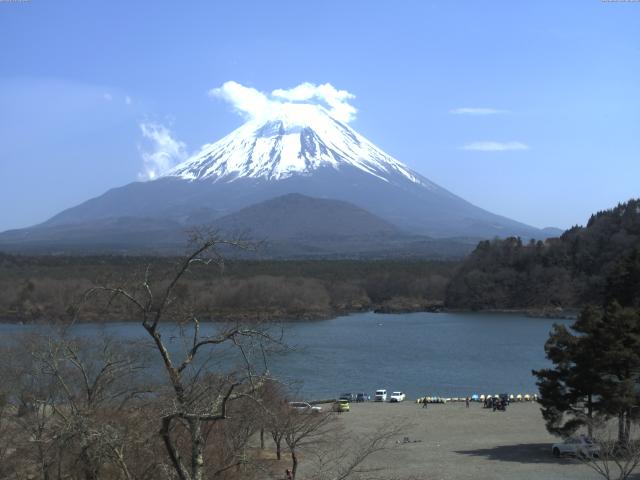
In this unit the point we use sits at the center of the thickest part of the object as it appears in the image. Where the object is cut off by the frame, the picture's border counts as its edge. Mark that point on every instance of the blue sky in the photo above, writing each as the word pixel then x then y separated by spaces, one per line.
pixel 528 109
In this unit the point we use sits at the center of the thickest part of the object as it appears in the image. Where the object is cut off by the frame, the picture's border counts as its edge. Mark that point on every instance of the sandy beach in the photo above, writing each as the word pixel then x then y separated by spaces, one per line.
pixel 451 442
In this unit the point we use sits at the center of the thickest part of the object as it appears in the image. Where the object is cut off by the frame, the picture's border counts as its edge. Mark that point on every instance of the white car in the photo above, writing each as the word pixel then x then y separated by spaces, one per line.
pixel 380 396
pixel 397 397
pixel 304 407
pixel 577 446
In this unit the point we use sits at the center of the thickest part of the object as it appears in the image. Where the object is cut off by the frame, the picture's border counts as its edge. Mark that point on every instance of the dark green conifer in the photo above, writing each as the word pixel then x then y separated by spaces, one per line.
pixel 596 371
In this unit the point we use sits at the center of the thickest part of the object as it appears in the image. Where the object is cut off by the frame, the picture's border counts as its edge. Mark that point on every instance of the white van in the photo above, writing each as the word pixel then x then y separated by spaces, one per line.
pixel 380 396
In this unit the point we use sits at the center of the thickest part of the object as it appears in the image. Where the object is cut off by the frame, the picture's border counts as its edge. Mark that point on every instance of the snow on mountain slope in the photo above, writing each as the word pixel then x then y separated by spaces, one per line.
pixel 296 140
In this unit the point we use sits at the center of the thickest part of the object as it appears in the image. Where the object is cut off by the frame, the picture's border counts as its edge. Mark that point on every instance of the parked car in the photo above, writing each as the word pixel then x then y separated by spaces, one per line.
pixel 578 446
pixel 397 397
pixel 305 407
pixel 362 397
pixel 380 396
pixel 349 397
pixel 341 406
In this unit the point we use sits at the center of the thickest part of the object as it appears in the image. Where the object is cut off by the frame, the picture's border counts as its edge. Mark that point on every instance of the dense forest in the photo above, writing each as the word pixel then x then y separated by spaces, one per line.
pixel 47 287
pixel 586 266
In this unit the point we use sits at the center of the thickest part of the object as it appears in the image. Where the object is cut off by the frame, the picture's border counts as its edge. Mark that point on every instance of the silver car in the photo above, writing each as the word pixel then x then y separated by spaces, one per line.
pixel 577 446
pixel 305 407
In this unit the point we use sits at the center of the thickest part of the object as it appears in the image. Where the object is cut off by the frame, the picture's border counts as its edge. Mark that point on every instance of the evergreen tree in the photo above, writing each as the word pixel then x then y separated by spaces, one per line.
pixel 567 391
pixel 623 285
pixel 616 338
pixel 596 371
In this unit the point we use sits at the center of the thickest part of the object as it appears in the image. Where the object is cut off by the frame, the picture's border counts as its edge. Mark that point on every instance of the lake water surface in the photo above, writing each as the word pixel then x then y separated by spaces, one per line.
pixel 446 354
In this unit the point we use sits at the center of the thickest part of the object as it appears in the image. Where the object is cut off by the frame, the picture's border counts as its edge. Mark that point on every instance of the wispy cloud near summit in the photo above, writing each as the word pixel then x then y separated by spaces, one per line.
pixel 477 111
pixel 166 152
pixel 254 104
pixel 488 146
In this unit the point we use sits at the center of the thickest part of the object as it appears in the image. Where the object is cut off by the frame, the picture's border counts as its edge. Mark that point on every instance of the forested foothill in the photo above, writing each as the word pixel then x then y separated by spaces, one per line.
pixel 584 266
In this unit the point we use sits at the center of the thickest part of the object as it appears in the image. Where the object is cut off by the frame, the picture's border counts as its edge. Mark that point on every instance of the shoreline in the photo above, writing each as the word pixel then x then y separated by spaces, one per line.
pixel 307 316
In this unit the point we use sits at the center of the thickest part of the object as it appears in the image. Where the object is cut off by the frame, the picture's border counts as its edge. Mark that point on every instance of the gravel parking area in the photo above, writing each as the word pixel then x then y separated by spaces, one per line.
pixel 451 442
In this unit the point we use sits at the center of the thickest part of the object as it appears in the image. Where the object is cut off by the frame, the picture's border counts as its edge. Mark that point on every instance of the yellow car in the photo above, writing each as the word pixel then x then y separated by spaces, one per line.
pixel 341 406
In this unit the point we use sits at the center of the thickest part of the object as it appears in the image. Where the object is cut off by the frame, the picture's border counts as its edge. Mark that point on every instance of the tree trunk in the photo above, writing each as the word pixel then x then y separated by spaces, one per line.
pixel 590 415
pixel 176 461
pixel 277 439
pixel 621 425
pixel 262 438
pixel 294 463
pixel 197 449
pixel 44 467
pixel 88 467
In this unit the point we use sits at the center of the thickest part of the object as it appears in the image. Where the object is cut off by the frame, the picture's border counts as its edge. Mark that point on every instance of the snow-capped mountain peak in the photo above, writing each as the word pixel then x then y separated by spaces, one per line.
pixel 295 139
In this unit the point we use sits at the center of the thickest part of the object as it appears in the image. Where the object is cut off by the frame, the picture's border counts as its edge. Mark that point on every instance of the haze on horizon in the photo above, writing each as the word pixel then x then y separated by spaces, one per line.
pixel 529 111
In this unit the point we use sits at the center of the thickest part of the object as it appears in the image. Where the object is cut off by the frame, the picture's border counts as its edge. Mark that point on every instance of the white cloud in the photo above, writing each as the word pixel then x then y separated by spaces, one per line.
pixel 127 100
pixel 247 101
pixel 166 151
pixel 336 100
pixel 254 104
pixel 495 146
pixel 477 111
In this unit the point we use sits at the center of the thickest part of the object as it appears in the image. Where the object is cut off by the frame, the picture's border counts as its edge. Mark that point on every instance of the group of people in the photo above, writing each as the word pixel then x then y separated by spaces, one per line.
pixel 497 403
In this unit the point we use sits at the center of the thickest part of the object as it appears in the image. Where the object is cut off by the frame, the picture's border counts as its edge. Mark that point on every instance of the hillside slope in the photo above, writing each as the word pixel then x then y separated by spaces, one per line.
pixel 585 265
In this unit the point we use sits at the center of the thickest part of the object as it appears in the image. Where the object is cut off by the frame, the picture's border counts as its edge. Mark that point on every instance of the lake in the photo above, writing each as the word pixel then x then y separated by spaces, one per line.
pixel 445 354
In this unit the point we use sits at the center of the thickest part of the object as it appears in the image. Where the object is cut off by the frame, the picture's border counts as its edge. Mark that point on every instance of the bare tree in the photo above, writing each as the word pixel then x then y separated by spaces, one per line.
pixel 196 397
pixel 616 459
pixel 275 413
pixel 343 455
pixel 69 398
pixel 301 429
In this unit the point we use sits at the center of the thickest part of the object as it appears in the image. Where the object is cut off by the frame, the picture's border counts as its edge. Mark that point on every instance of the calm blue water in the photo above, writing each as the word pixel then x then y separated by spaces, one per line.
pixel 447 354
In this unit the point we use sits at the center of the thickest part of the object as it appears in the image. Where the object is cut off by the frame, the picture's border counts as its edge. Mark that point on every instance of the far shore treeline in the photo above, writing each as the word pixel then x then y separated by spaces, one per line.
pixel 582 267
pixel 44 287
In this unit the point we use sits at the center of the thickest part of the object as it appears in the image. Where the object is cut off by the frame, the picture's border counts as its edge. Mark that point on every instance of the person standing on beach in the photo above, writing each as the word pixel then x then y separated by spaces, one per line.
pixel 424 403
pixel 466 402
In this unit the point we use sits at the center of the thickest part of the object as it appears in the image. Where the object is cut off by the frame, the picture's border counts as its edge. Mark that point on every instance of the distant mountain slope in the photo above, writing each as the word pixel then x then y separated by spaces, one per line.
pixel 297 226
pixel 120 234
pixel 290 226
pixel 585 265
pixel 295 216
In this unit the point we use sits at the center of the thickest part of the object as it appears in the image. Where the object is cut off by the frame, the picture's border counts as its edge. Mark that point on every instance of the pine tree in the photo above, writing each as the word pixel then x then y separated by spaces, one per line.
pixel 567 391
pixel 623 285
pixel 596 371
pixel 616 338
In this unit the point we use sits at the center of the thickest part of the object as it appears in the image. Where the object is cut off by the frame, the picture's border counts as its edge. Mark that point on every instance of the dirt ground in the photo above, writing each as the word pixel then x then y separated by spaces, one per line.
pixel 451 442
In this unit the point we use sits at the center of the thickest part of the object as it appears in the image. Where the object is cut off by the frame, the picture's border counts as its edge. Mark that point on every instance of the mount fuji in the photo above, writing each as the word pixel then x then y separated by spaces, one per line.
pixel 297 148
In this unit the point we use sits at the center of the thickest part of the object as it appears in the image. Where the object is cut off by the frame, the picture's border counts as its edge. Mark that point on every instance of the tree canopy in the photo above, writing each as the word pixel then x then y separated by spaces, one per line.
pixel 585 266
pixel 595 374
